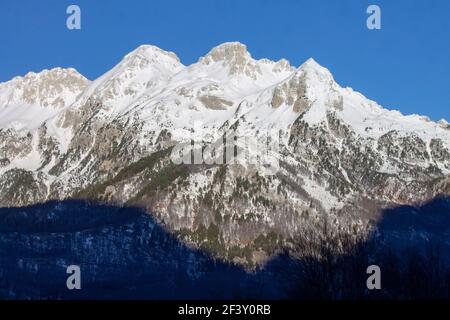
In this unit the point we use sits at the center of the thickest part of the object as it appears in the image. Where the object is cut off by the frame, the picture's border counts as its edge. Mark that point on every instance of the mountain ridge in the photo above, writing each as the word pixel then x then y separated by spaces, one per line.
pixel 341 157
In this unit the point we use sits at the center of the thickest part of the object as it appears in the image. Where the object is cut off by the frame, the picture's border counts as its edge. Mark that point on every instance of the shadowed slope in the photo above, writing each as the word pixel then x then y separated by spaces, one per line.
pixel 123 254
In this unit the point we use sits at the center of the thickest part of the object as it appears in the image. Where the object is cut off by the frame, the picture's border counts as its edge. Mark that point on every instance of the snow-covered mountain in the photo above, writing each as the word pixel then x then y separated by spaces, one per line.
pixel 26 102
pixel 342 157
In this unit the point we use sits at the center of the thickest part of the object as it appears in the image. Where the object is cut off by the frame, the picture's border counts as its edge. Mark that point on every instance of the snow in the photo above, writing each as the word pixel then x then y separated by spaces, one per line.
pixel 27 102
pixel 25 117
pixel 144 70
pixel 368 119
pixel 31 161
pixel 153 86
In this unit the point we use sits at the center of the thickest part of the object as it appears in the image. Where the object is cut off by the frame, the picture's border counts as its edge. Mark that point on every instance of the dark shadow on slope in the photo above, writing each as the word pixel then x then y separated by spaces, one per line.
pixel 418 226
pixel 124 253
pixel 411 245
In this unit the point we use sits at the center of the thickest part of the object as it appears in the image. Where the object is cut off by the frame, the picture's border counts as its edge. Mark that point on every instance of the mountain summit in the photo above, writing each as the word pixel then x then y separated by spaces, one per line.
pixel 233 54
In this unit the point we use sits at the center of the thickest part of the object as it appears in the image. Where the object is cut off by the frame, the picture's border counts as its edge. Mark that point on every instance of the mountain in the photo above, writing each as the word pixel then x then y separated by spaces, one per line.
pixel 336 156
pixel 28 101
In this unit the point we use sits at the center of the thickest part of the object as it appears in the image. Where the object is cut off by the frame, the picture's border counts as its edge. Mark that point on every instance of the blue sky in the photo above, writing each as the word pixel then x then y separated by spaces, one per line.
pixel 405 65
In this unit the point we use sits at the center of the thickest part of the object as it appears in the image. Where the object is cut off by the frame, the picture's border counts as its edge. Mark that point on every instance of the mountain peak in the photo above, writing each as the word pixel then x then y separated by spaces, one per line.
pixel 312 63
pixel 235 56
pixel 311 66
pixel 54 73
pixel 26 102
pixel 230 52
pixel 151 53
pixel 444 124
pixel 141 69
pixel 45 84
pixel 149 56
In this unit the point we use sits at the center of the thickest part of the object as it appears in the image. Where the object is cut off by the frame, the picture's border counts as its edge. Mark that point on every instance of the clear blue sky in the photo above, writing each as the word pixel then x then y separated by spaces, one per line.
pixel 405 65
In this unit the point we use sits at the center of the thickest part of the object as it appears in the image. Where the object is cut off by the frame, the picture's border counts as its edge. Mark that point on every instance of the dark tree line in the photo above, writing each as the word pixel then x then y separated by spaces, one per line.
pixel 327 265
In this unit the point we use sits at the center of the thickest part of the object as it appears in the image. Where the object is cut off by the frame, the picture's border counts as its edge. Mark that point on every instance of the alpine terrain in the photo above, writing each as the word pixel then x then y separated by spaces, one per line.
pixel 341 157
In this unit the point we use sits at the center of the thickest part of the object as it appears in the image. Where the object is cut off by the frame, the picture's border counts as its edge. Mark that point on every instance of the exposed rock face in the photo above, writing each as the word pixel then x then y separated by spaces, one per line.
pixel 292 93
pixel 439 152
pixel 19 187
pixel 215 103
pixel 14 144
pixel 51 88
pixel 236 57
pixel 340 156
